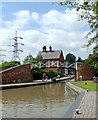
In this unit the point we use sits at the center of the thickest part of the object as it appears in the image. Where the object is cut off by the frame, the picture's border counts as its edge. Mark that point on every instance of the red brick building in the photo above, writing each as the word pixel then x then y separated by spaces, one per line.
pixel 54 58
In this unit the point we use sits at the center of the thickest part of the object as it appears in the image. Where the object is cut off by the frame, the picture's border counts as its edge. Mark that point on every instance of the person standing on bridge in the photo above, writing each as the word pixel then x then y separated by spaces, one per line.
pixel 44 76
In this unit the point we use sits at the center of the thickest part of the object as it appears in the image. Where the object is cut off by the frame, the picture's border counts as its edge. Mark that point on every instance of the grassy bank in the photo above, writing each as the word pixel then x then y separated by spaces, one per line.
pixel 90 85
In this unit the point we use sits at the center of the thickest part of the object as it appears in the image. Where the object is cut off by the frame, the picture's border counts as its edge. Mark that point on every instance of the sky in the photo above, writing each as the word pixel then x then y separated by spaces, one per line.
pixel 39 24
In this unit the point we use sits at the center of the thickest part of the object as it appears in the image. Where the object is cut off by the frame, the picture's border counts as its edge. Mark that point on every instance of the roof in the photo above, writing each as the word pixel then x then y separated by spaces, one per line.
pixel 50 55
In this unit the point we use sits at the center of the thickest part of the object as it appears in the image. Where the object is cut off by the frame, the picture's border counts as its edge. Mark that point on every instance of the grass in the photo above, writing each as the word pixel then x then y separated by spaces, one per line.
pixel 90 85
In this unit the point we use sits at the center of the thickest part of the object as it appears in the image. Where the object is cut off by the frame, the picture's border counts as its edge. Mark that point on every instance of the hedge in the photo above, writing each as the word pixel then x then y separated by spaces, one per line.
pixel 38 74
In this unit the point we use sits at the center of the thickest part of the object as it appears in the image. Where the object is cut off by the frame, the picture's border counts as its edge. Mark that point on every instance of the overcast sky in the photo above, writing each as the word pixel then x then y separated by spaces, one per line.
pixel 42 23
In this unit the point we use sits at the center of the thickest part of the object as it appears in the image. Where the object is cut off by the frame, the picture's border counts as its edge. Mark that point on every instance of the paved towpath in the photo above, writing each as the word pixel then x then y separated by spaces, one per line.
pixel 36 82
pixel 88 104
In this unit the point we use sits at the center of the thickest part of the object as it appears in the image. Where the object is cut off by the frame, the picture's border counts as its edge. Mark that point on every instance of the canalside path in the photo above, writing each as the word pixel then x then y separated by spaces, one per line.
pixel 87 106
pixel 35 82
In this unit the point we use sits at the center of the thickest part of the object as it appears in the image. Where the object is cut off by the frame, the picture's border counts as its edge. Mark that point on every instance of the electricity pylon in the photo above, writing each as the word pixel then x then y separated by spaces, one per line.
pixel 15 48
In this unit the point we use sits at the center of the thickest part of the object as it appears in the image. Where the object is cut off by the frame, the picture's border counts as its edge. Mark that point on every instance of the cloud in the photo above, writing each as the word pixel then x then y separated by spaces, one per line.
pixel 67 20
pixel 22 14
pixel 21 19
pixel 61 30
pixel 35 16
pixel 64 40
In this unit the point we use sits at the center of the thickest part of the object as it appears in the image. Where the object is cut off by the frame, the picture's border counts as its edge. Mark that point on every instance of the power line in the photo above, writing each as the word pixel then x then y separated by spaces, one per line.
pixel 15 47
pixel 1 55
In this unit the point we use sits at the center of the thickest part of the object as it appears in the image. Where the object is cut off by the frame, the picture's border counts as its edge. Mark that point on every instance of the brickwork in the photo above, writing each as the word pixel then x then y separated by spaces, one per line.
pixel 21 73
pixel 84 70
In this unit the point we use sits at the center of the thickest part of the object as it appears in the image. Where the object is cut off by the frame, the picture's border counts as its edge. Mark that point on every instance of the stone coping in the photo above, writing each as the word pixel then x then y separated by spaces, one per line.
pixel 75 88
pixel 74 106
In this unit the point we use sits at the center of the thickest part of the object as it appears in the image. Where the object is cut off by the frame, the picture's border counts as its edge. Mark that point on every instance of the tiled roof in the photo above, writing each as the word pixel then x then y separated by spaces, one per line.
pixel 50 55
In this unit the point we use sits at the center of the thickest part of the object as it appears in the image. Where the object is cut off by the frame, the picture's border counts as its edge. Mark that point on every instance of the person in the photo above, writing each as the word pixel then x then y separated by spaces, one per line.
pixel 44 76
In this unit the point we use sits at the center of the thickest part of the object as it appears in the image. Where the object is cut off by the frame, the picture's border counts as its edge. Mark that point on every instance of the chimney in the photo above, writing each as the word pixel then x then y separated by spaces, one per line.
pixel 44 48
pixel 50 49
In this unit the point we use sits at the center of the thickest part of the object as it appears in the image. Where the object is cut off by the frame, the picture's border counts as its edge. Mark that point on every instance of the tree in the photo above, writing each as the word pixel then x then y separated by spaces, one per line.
pixel 29 59
pixel 71 58
pixel 87 10
pixel 39 58
pixel 9 64
pixel 93 60
pixel 80 60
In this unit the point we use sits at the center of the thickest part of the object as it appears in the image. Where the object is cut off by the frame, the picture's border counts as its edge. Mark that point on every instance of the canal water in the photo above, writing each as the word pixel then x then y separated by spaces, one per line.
pixel 44 101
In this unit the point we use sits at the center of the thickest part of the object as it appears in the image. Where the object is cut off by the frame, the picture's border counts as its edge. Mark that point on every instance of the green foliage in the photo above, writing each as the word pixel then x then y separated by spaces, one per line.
pixel 71 58
pixel 80 60
pixel 49 73
pixel 38 74
pixel 39 58
pixel 9 64
pixel 95 49
pixel 87 10
pixel 96 69
pixel 30 59
pixel 93 60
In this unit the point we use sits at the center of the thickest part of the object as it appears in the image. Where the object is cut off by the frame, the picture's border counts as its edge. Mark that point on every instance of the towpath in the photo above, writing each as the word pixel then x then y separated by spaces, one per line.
pixel 88 104
pixel 35 82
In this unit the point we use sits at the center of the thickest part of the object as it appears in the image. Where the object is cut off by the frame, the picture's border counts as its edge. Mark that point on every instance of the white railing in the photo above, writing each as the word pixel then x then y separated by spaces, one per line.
pixel 46 64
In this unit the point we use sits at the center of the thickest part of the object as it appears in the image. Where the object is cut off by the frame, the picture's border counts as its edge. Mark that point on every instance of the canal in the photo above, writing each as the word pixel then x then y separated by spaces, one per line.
pixel 45 101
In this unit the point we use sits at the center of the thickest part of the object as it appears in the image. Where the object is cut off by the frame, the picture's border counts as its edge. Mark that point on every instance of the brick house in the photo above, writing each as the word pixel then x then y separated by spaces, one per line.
pixel 54 59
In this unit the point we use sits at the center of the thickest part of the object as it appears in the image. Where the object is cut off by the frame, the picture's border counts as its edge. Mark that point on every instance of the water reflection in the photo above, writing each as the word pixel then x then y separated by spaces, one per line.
pixel 45 101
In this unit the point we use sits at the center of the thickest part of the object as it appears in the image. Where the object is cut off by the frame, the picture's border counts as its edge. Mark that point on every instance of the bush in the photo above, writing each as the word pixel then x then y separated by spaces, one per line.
pixel 96 69
pixel 38 74
pixel 48 73
pixel 9 64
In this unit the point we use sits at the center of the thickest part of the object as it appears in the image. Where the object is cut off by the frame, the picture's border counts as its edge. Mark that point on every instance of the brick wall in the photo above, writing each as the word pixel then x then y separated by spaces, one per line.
pixel 4 68
pixel 16 74
pixel 84 70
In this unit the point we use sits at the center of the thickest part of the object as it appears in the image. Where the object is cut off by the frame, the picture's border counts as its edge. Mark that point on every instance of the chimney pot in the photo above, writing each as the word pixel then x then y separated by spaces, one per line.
pixel 44 48
pixel 50 49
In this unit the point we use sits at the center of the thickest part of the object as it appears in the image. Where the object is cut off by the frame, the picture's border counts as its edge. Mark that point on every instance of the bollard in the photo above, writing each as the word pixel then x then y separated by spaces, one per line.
pixel 85 83
pixel 94 79
pixel 77 111
pixel 80 77
pixel 87 90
